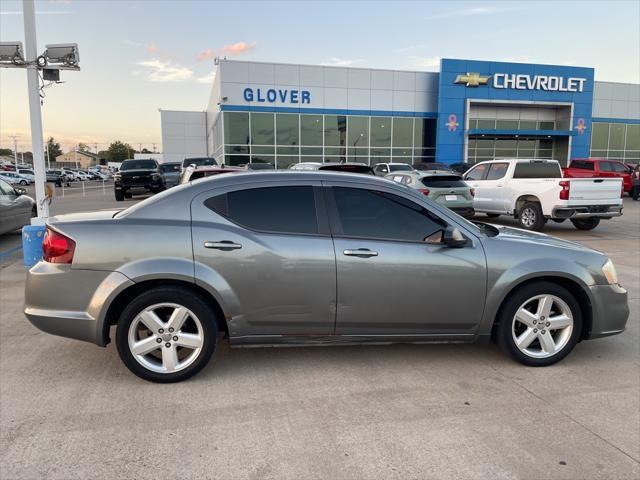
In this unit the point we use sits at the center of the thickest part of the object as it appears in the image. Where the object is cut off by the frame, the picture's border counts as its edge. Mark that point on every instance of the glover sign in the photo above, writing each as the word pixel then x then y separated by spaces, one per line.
pixel 538 82
pixel 276 95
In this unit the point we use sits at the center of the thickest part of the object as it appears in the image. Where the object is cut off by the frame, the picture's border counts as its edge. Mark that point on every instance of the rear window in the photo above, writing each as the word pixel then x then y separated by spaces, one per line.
pixel 199 162
pixel 138 165
pixel 348 168
pixel 448 181
pixel 203 173
pixel 270 209
pixel 582 165
pixel 170 167
pixel 400 168
pixel 537 170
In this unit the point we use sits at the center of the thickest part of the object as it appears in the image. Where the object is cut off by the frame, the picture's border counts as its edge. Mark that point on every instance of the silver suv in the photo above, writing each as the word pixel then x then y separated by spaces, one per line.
pixel 282 258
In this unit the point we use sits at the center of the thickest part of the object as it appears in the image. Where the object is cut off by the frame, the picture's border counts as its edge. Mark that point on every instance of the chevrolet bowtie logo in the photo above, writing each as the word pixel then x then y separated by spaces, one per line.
pixel 472 79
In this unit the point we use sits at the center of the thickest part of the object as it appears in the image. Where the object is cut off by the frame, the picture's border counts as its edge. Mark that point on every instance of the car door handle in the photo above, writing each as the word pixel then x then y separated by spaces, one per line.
pixel 360 252
pixel 223 245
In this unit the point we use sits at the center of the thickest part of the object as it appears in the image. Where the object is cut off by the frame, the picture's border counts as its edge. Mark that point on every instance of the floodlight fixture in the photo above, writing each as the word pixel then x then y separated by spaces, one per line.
pixel 11 53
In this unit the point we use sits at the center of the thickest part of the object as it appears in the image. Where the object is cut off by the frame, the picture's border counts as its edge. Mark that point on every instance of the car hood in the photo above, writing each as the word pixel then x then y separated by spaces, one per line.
pixel 528 237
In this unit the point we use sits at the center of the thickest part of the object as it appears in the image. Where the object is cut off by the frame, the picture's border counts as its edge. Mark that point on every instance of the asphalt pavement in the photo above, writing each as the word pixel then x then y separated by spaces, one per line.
pixel 72 410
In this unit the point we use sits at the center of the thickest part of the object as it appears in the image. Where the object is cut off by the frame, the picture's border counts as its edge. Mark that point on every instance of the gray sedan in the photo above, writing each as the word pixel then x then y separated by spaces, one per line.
pixel 16 209
pixel 300 258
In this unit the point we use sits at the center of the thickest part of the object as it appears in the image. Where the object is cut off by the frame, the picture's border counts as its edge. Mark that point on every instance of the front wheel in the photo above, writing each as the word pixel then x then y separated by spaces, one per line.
pixel 530 217
pixel 24 182
pixel 539 324
pixel 166 334
pixel 119 195
pixel 586 223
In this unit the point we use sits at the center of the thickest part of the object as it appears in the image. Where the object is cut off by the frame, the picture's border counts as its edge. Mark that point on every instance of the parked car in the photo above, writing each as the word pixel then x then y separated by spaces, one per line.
pixel 199 162
pixel 259 166
pixel 69 175
pixel 57 177
pixel 15 179
pixel 8 167
pixel 16 208
pixel 28 174
pixel 382 169
pixel 171 173
pixel 349 167
pixel 137 176
pixel 533 191
pixel 443 188
pixel 83 176
pixel 194 173
pixel 300 258
pixel 599 168
pixel 429 166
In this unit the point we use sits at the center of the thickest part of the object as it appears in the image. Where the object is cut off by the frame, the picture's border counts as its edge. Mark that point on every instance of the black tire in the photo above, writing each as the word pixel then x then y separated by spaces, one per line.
pixel 176 295
pixel 119 195
pixel 558 220
pixel 492 215
pixel 34 212
pixel 530 217
pixel 128 195
pixel 24 182
pixel 504 336
pixel 586 223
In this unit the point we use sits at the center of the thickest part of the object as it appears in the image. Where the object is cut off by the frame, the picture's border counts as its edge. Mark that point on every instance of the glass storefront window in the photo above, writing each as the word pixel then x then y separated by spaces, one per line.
pixel 616 136
pixel 600 136
pixel 425 133
pixel 236 160
pixel 487 124
pixel 262 132
pixel 527 125
pixel 262 150
pixel 287 129
pixel 358 128
pixel 507 124
pixel 380 132
pixel 402 132
pixel 335 130
pixel 546 125
pixel 311 131
pixel 633 138
pixel 285 161
pixel 236 128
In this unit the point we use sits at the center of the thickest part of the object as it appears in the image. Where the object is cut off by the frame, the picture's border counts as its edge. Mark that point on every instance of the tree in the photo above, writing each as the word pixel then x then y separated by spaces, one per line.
pixel 144 150
pixel 118 151
pixel 54 149
pixel 83 147
pixel 6 152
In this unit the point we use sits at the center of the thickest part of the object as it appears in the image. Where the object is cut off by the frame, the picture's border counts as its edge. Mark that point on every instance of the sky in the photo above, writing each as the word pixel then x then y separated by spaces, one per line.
pixel 140 56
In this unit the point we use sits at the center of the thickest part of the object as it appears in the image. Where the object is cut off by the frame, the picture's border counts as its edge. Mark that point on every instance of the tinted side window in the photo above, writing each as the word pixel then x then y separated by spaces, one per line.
pixel 606 167
pixel 497 171
pixel 582 165
pixel 619 168
pixel 270 209
pixel 374 214
pixel 537 170
pixel 477 173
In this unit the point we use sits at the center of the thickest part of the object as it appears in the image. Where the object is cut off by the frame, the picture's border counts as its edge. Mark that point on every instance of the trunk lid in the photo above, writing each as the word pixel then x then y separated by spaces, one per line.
pixel 584 191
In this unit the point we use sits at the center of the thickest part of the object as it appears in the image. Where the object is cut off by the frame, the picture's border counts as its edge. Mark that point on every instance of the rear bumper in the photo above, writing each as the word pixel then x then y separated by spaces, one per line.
pixel 587 211
pixel 71 303
pixel 610 310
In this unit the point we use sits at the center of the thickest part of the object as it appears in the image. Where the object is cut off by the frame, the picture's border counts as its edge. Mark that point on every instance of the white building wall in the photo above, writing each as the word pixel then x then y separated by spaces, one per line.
pixel 616 100
pixel 183 135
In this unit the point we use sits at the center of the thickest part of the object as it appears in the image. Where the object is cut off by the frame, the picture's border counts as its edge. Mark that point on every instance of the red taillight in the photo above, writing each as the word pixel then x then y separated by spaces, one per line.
pixel 564 193
pixel 56 248
pixel 472 191
pixel 424 191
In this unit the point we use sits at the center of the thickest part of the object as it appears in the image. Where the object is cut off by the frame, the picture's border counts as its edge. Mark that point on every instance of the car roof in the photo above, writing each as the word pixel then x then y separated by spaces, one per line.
pixel 218 168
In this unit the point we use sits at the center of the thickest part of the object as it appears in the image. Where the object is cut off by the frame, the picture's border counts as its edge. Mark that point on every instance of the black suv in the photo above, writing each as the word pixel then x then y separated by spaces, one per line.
pixel 137 176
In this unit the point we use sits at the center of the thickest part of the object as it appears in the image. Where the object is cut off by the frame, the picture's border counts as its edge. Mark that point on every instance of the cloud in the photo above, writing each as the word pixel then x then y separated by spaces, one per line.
pixel 340 62
pixel 424 62
pixel 238 48
pixel 208 79
pixel 152 48
pixel 165 71
pixel 469 12
pixel 207 54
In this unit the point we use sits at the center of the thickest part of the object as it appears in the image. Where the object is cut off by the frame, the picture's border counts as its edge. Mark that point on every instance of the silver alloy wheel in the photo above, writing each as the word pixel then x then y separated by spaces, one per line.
pixel 542 326
pixel 528 217
pixel 166 337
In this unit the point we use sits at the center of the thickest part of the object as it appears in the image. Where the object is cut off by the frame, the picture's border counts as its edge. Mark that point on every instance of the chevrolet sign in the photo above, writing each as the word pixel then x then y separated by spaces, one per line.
pixel 472 79
pixel 523 82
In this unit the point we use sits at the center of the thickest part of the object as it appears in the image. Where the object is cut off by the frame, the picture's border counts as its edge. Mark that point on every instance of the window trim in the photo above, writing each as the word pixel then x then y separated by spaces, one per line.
pixel 322 220
pixel 336 224
pixel 477 165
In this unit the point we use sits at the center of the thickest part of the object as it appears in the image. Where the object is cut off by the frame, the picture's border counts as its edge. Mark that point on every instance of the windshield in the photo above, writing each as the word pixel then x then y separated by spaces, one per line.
pixel 199 162
pixel 138 165
pixel 170 167
pixel 400 168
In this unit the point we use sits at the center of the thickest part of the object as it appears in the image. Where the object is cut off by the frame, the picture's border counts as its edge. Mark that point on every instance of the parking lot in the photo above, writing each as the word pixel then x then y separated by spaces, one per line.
pixel 72 410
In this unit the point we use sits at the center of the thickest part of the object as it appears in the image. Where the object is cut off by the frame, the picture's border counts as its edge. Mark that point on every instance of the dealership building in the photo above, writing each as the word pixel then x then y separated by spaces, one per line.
pixel 467 112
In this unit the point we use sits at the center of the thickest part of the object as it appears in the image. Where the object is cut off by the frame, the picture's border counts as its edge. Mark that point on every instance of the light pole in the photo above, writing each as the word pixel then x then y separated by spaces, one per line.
pixel 15 153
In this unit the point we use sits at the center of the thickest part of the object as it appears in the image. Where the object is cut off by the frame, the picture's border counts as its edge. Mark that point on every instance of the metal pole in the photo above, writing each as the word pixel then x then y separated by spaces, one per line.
pixel 48 159
pixel 15 153
pixel 37 142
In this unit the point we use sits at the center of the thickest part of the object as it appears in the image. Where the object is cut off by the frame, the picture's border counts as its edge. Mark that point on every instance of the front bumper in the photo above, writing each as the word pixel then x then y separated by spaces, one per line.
pixel 71 303
pixel 584 211
pixel 610 310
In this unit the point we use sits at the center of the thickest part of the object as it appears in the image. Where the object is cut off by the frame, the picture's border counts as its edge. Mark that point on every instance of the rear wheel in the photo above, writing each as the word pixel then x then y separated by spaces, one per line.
pixel 128 195
pixel 586 223
pixel 24 182
pixel 119 195
pixel 530 216
pixel 166 334
pixel 539 324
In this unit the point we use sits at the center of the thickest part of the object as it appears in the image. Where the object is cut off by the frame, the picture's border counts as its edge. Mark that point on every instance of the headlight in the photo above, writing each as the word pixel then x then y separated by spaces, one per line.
pixel 610 272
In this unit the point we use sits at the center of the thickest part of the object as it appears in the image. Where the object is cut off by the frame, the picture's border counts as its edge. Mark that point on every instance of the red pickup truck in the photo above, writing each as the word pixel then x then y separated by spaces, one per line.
pixel 599 168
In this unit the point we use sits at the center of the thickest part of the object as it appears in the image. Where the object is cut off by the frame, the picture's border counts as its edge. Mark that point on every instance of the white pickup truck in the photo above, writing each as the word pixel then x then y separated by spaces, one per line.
pixel 533 191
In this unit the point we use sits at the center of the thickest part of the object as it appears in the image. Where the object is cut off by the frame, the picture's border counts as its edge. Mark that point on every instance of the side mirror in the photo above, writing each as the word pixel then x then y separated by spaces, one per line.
pixel 453 238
